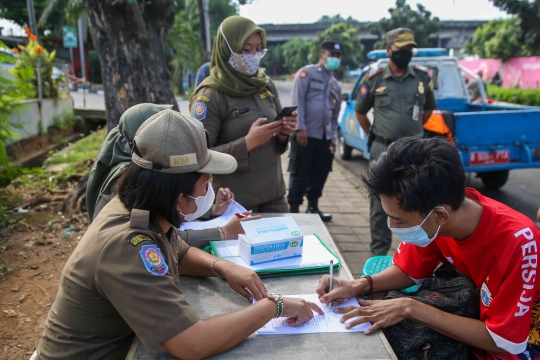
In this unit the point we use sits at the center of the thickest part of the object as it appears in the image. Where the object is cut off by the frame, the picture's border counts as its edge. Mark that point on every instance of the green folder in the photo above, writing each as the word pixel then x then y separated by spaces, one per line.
pixel 315 259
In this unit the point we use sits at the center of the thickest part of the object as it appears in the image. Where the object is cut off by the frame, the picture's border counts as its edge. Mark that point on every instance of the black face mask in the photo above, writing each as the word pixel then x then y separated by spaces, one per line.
pixel 401 58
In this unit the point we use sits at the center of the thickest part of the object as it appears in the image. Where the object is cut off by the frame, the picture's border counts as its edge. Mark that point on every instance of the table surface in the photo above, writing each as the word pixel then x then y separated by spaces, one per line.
pixel 212 296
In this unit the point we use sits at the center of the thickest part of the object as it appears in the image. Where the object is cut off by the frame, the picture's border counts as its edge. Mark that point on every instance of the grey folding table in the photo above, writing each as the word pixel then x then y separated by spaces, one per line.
pixel 212 296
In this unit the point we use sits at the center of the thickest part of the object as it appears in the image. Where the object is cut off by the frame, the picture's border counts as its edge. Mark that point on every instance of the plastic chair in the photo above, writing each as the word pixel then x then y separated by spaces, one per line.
pixel 376 264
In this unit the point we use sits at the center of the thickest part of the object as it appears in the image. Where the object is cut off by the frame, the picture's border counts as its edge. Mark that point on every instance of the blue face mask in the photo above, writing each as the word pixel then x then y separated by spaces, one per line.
pixel 332 63
pixel 415 235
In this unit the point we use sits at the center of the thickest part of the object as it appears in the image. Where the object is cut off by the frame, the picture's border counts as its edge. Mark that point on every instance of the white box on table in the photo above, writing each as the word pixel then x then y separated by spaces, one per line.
pixel 270 239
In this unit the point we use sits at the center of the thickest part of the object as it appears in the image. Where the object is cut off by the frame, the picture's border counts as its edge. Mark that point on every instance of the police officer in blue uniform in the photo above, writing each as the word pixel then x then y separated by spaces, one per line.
pixel 318 96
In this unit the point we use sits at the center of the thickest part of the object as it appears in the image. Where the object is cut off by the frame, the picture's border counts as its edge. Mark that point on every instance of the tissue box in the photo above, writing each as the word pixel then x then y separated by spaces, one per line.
pixel 270 239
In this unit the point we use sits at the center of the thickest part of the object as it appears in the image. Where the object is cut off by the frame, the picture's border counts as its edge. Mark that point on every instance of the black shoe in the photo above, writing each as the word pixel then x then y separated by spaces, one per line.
pixel 294 208
pixel 324 216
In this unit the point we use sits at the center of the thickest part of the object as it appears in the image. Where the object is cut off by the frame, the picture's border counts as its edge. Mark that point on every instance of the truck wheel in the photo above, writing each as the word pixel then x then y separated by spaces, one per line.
pixel 494 180
pixel 345 151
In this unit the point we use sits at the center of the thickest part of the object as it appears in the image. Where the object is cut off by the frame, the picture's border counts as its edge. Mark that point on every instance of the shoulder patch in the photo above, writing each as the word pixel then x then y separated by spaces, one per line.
pixel 303 74
pixel 364 91
pixel 203 98
pixel 374 73
pixel 421 68
pixel 153 260
pixel 199 112
pixel 136 240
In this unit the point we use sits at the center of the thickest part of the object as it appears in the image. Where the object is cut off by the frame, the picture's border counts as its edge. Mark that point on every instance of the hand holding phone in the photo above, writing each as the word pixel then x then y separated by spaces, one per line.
pixel 286 111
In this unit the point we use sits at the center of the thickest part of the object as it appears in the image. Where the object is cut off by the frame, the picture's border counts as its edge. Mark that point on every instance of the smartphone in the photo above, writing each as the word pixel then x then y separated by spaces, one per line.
pixel 286 111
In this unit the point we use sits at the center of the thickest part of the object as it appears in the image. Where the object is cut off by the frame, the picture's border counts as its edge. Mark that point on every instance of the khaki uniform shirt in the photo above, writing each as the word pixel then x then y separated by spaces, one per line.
pixel 318 96
pixel 121 280
pixel 227 119
pixel 393 100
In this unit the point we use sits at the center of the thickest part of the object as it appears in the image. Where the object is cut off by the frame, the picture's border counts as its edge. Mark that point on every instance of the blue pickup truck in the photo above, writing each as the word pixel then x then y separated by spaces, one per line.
pixel 492 139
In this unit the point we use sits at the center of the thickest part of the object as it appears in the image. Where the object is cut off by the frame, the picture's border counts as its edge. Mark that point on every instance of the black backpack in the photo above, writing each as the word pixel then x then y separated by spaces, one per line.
pixel 449 291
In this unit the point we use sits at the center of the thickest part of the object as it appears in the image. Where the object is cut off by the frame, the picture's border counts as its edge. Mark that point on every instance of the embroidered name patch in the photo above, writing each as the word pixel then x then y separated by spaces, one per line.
pixel 183 160
pixel 199 112
pixel 364 91
pixel 266 94
pixel 203 98
pixel 136 240
pixel 485 295
pixel 153 260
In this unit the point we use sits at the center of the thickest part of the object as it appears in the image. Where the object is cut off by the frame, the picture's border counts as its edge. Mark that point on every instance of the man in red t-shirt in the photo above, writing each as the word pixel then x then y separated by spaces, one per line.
pixel 421 184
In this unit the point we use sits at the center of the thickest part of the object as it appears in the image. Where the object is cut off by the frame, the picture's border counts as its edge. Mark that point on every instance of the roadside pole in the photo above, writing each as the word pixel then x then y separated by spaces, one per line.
pixel 33 30
pixel 81 56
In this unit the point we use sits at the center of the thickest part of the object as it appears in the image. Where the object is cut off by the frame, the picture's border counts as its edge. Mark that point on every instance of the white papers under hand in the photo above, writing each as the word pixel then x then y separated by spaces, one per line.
pixel 222 220
pixel 329 322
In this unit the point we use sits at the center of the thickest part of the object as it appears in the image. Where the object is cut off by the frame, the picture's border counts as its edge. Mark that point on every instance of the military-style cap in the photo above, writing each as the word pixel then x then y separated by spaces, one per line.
pixel 401 37
pixel 331 46
pixel 174 143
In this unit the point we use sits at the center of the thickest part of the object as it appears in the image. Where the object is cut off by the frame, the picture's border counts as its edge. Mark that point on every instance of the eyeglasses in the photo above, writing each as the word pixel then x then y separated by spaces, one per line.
pixel 260 53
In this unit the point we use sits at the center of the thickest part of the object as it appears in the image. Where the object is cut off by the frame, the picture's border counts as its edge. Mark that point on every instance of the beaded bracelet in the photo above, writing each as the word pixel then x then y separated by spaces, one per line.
pixel 370 281
pixel 212 268
pixel 279 308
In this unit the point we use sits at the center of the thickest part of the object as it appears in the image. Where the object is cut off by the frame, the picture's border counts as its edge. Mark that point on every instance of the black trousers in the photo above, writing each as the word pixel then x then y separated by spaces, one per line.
pixel 309 167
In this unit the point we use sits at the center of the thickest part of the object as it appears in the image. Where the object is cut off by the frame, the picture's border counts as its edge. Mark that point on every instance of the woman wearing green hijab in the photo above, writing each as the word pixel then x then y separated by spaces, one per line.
pixel 236 105
pixel 112 160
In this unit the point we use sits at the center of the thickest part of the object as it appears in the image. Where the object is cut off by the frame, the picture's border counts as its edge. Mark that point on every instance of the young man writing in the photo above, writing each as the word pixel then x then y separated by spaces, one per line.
pixel 421 184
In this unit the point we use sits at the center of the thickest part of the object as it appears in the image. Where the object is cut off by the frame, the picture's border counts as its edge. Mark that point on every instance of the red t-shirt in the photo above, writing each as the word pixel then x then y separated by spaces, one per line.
pixel 501 257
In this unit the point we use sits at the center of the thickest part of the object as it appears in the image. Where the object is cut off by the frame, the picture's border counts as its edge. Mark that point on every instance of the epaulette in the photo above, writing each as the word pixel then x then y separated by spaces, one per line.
pixel 421 68
pixel 373 73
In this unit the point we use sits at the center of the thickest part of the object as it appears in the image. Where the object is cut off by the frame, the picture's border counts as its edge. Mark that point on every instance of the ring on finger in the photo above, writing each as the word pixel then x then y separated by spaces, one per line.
pixel 274 134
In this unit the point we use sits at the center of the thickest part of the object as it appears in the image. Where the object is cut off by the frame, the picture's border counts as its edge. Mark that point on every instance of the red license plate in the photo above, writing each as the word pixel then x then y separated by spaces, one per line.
pixel 486 157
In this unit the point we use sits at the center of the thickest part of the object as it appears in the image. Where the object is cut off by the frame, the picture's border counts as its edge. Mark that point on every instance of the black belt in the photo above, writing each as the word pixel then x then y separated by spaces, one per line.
pixel 382 140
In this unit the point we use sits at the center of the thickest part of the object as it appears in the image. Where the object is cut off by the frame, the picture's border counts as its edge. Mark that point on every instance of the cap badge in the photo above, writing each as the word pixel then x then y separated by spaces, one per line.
pixel 336 46
pixel 183 160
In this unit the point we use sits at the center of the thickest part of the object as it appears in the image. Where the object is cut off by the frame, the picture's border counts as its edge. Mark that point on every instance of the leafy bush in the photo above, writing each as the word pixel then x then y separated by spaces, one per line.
pixel 515 96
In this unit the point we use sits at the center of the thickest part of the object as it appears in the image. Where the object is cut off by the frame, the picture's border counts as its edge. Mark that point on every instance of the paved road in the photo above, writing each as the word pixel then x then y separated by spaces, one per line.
pixel 521 192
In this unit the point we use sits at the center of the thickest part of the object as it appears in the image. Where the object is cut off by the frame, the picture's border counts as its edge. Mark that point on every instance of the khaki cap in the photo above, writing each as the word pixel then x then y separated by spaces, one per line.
pixel 174 143
pixel 401 37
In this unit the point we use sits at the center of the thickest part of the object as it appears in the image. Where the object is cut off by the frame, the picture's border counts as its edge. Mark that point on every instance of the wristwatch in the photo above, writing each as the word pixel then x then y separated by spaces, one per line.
pixel 279 302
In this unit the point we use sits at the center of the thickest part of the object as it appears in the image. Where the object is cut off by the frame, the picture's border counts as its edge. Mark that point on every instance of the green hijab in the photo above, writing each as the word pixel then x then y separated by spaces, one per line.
pixel 116 150
pixel 223 77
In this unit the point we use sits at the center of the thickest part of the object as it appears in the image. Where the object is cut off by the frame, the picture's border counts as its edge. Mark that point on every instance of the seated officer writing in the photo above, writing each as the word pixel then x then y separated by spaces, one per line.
pixel 421 184
pixel 123 277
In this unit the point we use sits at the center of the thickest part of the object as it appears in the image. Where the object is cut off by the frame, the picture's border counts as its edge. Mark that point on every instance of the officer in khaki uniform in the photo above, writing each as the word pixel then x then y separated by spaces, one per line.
pixel 402 100
pixel 237 104
pixel 318 96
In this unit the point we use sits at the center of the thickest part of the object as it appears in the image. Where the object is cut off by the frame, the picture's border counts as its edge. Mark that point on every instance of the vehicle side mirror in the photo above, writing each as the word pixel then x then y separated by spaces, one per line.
pixel 345 97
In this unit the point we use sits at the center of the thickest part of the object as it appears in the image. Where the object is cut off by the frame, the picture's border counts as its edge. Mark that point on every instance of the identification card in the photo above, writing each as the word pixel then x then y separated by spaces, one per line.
pixel 415 112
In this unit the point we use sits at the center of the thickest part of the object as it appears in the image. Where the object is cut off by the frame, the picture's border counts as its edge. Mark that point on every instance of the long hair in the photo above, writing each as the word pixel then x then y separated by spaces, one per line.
pixel 154 191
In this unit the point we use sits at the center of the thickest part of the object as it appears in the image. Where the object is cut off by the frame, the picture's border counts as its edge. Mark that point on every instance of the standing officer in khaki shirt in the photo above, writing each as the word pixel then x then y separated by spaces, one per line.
pixel 402 99
pixel 123 277
pixel 237 104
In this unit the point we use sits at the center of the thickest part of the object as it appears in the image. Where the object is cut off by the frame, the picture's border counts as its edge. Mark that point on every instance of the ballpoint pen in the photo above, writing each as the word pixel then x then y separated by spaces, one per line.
pixel 331 275
pixel 240 215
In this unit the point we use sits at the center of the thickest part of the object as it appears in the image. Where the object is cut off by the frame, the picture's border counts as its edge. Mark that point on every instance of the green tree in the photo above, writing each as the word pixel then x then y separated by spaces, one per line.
pixel 296 53
pixel 402 15
pixel 498 39
pixel 528 13
pixel 18 12
pixel 347 35
pixel 274 61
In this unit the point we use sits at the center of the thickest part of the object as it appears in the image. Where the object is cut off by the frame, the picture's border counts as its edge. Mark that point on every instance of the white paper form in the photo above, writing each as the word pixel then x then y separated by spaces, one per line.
pixel 222 220
pixel 327 323
pixel 314 254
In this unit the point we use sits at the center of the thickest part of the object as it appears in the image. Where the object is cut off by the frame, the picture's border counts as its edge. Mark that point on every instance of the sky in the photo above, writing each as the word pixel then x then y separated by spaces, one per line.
pixel 308 11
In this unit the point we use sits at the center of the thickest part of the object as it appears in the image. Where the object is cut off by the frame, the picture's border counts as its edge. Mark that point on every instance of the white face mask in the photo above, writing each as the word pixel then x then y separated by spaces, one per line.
pixel 246 64
pixel 203 203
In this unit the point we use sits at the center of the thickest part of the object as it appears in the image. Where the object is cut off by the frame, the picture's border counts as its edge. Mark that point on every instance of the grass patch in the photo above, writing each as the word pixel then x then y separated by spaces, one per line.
pixel 84 149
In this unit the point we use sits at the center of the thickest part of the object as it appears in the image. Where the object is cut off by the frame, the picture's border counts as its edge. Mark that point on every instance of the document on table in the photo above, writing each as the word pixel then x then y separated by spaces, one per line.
pixel 232 209
pixel 327 323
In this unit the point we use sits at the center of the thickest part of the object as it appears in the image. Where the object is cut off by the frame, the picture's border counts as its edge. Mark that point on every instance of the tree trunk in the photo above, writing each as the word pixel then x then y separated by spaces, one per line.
pixel 133 66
